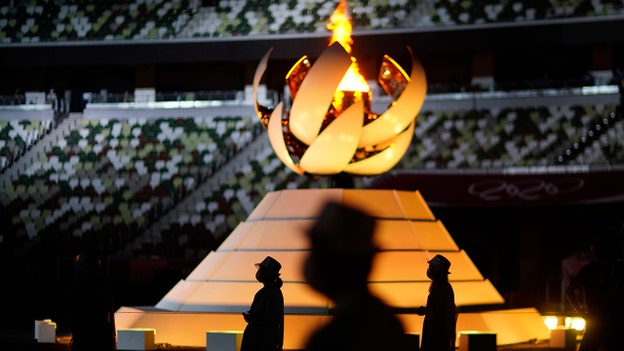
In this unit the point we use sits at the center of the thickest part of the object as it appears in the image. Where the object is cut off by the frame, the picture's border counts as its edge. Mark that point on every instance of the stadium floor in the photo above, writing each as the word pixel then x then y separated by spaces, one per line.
pixel 23 340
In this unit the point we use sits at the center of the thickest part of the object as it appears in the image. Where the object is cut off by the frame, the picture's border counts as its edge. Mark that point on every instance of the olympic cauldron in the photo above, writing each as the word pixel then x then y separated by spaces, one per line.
pixel 329 129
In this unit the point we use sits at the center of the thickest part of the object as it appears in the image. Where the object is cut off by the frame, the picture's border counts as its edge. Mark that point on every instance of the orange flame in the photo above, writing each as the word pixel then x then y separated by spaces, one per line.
pixel 340 24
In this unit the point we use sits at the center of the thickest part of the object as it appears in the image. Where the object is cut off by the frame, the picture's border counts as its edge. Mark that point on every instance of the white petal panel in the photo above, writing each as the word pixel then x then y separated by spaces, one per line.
pixel 386 159
pixel 317 92
pixel 335 146
pixel 276 137
pixel 401 113
pixel 262 66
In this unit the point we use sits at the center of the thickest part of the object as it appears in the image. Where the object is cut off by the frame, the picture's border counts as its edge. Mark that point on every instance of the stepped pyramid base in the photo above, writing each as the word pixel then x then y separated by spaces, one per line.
pixel 222 286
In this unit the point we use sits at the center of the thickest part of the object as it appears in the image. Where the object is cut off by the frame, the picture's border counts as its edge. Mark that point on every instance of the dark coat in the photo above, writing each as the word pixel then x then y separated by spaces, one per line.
pixel 603 284
pixel 265 320
pixel 439 326
pixel 360 323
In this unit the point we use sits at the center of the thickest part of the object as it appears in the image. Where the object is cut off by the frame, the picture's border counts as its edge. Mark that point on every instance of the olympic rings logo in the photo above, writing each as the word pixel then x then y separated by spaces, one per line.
pixel 526 189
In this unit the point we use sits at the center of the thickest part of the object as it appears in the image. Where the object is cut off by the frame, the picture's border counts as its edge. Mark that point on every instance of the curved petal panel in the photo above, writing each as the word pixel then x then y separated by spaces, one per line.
pixel 335 146
pixel 401 113
pixel 276 137
pixel 386 159
pixel 316 93
pixel 262 111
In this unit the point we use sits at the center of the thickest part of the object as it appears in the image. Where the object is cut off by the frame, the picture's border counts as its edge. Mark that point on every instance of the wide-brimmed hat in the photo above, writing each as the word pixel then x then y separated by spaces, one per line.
pixel 441 263
pixel 270 265
pixel 342 230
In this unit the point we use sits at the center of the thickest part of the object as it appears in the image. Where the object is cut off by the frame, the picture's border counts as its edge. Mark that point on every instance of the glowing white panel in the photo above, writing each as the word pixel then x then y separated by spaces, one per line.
pixel 240 265
pixel 396 234
pixel 262 66
pixel 379 203
pixel 233 297
pixel 317 92
pixel 287 204
pixel 402 294
pixel 215 296
pixel 269 235
pixel 463 265
pixel 398 266
pixel 393 266
pixel 414 294
pixel 388 203
pixel 434 236
pixel 402 112
pixel 234 240
pixel 208 266
pixel 386 159
pixel 511 326
pixel 176 297
pixel 335 146
pixel 476 293
pixel 413 235
pixel 223 284
pixel 414 205
pixel 276 137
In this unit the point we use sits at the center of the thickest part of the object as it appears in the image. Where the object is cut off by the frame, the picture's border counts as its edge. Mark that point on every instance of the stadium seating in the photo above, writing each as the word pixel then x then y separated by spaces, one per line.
pixel 531 136
pixel 142 180
pixel 17 136
pixel 119 174
pixel 35 21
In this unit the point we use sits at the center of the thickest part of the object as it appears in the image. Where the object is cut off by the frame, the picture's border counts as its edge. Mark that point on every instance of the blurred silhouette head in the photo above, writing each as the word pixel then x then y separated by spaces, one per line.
pixel 342 250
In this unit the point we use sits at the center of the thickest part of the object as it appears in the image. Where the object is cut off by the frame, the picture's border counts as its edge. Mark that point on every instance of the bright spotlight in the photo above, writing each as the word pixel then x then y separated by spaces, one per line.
pixel 551 322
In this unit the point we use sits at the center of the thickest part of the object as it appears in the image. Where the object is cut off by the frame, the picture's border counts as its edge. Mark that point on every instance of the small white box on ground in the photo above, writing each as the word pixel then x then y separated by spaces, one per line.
pixel 563 338
pixel 136 339
pixel 224 340
pixel 477 341
pixel 45 331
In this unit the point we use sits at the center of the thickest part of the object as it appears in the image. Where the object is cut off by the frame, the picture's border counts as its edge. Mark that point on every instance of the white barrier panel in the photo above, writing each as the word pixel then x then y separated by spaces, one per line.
pixel 136 339
pixel 45 331
pixel 224 340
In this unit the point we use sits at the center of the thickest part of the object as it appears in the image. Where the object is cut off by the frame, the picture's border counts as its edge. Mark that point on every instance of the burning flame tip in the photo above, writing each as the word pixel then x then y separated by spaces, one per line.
pixel 340 25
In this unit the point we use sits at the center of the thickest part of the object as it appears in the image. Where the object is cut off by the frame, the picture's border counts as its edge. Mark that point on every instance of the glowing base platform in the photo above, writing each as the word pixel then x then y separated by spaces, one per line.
pixel 222 286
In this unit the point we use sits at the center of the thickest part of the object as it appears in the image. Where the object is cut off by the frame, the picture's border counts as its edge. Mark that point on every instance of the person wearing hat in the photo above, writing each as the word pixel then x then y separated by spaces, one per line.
pixel 338 265
pixel 265 318
pixel 439 326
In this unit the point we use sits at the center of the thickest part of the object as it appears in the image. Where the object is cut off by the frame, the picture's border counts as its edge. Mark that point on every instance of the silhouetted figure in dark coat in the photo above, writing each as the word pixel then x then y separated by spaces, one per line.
pixel 439 326
pixel 338 266
pixel 597 293
pixel 265 318
pixel 92 315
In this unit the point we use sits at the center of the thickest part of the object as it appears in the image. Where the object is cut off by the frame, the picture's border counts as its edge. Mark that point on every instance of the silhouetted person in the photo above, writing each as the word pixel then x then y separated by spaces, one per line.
pixel 439 326
pixel 570 266
pixel 597 293
pixel 92 315
pixel 338 266
pixel 265 318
